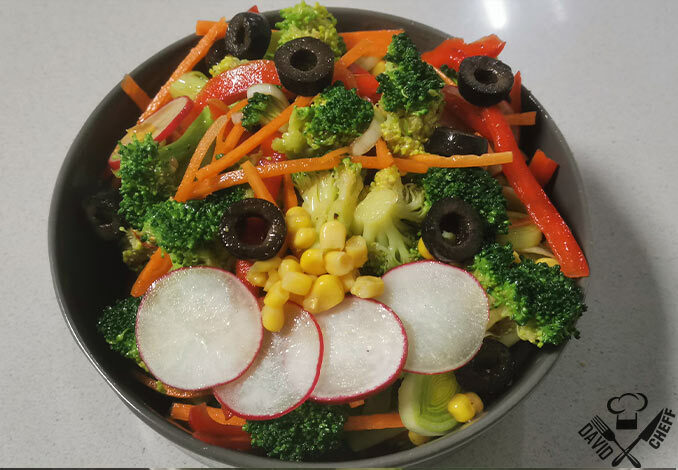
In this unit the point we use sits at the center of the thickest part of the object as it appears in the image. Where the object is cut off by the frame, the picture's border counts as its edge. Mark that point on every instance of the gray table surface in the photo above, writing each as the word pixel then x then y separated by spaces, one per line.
pixel 600 68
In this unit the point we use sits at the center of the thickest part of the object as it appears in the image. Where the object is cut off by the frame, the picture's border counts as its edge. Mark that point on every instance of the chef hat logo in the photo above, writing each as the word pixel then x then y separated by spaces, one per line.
pixel 626 407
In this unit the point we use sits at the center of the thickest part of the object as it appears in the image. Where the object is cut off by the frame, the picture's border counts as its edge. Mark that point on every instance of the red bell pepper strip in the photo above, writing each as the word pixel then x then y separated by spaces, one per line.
pixel 367 84
pixel 254 9
pixel 539 206
pixel 542 167
pixel 200 420
pixel 463 110
pixel 343 74
pixel 242 442
pixel 242 266
pixel 515 94
pixel 452 51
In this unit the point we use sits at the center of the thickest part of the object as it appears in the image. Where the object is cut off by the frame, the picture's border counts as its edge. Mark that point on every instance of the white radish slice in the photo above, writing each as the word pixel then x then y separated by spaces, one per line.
pixel 198 327
pixel 365 350
pixel 283 374
pixel 444 311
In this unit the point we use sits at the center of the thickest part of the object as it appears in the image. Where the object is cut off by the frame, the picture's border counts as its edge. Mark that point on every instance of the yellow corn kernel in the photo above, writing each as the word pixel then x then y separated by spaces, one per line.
pixel 417 439
pixel 476 401
pixel 289 265
pixel 297 299
pixel 312 261
pixel 461 408
pixel 276 296
pixel 303 238
pixel 272 318
pixel 297 211
pixel 332 235
pixel 548 261
pixel 327 291
pixel 423 251
pixel 368 287
pixel 379 68
pixel 297 283
pixel 273 277
pixel 297 218
pixel 265 265
pixel 349 279
pixel 516 257
pixel 338 263
pixel 257 279
pixel 356 248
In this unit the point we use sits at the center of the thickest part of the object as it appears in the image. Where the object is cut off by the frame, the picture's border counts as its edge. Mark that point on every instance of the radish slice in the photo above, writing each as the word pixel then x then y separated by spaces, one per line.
pixel 283 374
pixel 444 311
pixel 365 350
pixel 198 327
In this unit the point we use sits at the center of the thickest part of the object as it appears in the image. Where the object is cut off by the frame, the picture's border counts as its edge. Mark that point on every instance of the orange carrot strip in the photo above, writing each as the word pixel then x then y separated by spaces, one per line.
pixel 446 79
pixel 186 65
pixel 232 157
pixel 464 161
pixel 356 52
pixel 181 411
pixel 289 195
pixel 231 141
pixel 255 181
pixel 217 107
pixel 186 187
pixel 542 167
pixel 134 91
pixel 356 404
pixel 380 40
pixel 202 27
pixel 528 118
pixel 170 391
pixel 384 154
pixel 159 265
pixel 404 164
pixel 376 421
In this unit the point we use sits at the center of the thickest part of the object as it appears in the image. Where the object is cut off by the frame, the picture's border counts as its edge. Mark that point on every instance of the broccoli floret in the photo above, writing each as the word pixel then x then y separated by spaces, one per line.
pixel 476 187
pixel 117 325
pixel 335 118
pixel 302 20
pixel 331 195
pixel 260 110
pixel 135 253
pixel 411 97
pixel 539 298
pixel 311 430
pixel 388 218
pixel 227 63
pixel 450 72
pixel 187 231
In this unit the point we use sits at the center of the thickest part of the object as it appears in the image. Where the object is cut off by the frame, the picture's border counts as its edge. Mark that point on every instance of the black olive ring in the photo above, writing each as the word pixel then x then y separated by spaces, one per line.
pixel 445 141
pixel 305 65
pixel 234 220
pixel 452 215
pixel 490 372
pixel 484 81
pixel 248 36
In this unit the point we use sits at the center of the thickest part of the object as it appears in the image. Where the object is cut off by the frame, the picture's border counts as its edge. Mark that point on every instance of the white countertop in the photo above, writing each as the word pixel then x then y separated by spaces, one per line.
pixel 606 71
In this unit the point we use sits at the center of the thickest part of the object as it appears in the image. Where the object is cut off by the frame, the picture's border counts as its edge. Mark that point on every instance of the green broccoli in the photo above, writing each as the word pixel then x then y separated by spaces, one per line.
pixel 135 253
pixel 260 110
pixel 476 187
pixel 227 63
pixel 331 195
pixel 335 118
pixel 411 97
pixel 310 431
pixel 540 299
pixel 388 218
pixel 302 20
pixel 450 72
pixel 117 325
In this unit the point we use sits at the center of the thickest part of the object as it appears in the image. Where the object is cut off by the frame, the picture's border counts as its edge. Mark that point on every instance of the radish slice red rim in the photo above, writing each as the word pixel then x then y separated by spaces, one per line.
pixel 365 350
pixel 198 327
pixel 444 311
pixel 283 374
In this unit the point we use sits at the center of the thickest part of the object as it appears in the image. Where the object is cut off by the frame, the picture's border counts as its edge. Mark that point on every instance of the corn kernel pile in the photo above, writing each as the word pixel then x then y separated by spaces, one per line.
pixel 323 269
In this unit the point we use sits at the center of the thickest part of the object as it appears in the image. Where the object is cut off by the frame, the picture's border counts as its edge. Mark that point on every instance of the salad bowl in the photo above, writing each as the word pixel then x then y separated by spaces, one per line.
pixel 88 273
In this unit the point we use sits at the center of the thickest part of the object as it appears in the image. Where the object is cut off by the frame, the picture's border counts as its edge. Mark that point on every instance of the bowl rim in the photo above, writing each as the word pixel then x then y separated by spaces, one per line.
pixel 433 450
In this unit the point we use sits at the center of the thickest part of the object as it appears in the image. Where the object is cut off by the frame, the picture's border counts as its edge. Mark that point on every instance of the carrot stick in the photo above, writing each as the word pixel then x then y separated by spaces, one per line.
pixel 217 107
pixel 202 27
pixel 376 421
pixel 446 79
pixel 542 167
pixel 289 195
pixel 464 161
pixel 255 181
pixel 170 391
pixel 231 141
pixel 356 404
pixel 356 52
pixel 134 91
pixel 233 178
pixel 380 40
pixel 181 412
pixel 186 65
pixel 186 186
pixel 232 157
pixel 528 118
pixel 384 155
pixel 159 265
pixel 404 164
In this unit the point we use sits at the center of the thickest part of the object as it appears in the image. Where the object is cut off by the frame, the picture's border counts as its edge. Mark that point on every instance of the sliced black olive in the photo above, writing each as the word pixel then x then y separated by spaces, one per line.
pixel 445 141
pixel 101 210
pixel 484 81
pixel 241 244
pixel 248 35
pixel 305 65
pixel 452 230
pixel 490 372
pixel 216 53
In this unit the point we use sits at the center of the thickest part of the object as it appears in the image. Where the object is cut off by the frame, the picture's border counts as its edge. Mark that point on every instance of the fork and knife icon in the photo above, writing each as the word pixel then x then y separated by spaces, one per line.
pixel 609 435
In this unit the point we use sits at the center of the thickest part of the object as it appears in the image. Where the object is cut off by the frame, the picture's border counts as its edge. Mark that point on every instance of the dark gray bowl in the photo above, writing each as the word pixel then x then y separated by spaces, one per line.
pixel 88 273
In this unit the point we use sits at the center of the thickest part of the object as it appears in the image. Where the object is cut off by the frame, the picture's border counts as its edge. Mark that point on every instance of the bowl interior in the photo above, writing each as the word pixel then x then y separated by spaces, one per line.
pixel 88 273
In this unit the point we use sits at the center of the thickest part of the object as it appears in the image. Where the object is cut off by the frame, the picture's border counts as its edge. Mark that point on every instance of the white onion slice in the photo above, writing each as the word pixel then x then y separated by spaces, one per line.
pixel 236 118
pixel 365 142
pixel 268 89
pixel 367 62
